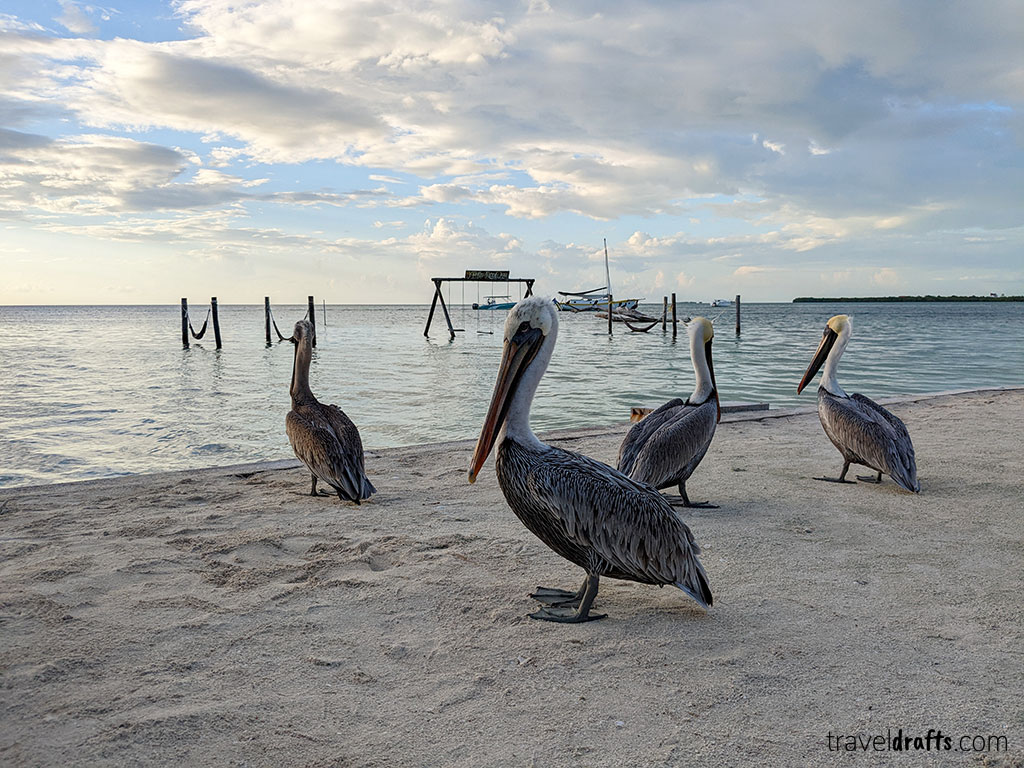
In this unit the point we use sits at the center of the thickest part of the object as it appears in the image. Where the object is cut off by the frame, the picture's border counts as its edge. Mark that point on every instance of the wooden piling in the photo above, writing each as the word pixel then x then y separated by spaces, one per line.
pixel 184 323
pixel 609 314
pixel 266 316
pixel 664 313
pixel 737 314
pixel 312 318
pixel 444 307
pixel 216 320
pixel 430 317
pixel 675 323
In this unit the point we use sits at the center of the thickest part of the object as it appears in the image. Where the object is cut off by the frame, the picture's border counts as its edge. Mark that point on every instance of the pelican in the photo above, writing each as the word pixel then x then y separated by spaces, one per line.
pixel 322 436
pixel 665 448
pixel 587 512
pixel 863 431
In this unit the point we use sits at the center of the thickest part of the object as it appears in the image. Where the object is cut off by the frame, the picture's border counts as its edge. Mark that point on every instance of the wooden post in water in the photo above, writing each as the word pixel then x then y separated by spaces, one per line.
pixel 312 318
pixel 325 311
pixel 184 323
pixel 737 314
pixel 664 313
pixel 437 292
pixel 447 317
pixel 675 323
pixel 266 316
pixel 609 314
pixel 216 320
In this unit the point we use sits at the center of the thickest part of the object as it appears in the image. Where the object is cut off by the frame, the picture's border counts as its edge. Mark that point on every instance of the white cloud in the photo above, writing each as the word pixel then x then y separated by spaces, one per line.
pixel 74 19
pixel 886 277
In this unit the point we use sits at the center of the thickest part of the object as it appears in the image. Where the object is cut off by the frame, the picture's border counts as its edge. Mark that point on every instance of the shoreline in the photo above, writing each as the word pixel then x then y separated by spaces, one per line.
pixel 575 433
pixel 226 617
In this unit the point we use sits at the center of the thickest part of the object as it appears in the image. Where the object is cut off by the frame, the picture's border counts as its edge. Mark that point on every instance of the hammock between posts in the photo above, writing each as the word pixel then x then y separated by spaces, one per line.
pixel 281 336
pixel 202 330
pixel 639 330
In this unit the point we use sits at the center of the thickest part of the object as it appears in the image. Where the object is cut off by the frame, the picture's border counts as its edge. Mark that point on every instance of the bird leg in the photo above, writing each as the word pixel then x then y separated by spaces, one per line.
pixel 684 500
pixel 314 492
pixel 841 478
pixel 560 598
pixel 688 503
pixel 870 479
pixel 568 615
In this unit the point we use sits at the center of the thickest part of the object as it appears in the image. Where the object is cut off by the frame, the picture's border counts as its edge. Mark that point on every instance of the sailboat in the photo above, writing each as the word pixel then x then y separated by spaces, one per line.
pixel 593 300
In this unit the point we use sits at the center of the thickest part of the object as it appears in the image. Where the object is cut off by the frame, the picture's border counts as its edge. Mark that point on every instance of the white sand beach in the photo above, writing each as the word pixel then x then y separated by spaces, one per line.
pixel 224 617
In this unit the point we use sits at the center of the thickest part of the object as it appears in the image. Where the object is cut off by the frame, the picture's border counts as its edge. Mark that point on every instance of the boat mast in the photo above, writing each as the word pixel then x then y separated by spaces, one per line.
pixel 607 274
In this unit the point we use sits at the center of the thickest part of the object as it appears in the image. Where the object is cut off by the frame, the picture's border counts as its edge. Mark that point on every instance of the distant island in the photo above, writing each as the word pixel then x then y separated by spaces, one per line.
pixel 815 299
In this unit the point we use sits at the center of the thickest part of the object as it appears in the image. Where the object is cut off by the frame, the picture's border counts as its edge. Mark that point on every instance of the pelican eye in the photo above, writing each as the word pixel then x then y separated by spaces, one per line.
pixel 523 327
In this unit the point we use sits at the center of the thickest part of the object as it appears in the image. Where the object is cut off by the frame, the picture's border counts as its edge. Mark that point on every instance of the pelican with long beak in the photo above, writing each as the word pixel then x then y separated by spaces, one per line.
pixel 587 512
pixel 664 448
pixel 863 431
pixel 322 436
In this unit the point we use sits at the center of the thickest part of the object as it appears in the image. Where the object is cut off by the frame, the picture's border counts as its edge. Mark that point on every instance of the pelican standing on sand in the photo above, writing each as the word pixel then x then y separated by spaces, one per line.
pixel 587 512
pixel 322 436
pixel 665 448
pixel 863 431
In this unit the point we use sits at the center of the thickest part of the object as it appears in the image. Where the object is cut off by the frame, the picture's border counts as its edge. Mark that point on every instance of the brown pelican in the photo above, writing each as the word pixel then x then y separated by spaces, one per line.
pixel 863 431
pixel 587 512
pixel 663 449
pixel 322 436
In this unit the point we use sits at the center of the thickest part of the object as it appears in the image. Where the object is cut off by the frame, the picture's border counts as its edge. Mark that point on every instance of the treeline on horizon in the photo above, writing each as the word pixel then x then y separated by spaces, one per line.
pixel 929 297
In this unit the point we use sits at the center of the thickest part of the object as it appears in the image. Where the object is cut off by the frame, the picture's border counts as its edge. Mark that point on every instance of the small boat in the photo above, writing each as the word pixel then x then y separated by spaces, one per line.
pixel 493 303
pixel 593 300
pixel 596 303
pixel 722 303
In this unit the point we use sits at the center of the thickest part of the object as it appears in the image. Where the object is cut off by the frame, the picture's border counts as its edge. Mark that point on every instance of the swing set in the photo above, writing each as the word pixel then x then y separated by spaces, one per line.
pixel 472 276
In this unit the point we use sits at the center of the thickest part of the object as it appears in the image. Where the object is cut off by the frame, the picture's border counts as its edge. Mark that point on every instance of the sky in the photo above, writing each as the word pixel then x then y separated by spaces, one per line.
pixel 355 149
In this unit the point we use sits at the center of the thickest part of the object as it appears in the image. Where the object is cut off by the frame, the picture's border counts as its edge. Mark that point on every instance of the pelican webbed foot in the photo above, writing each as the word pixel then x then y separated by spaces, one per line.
pixel 314 492
pixel 572 607
pixel 870 479
pixel 682 500
pixel 565 615
pixel 561 598
pixel 841 478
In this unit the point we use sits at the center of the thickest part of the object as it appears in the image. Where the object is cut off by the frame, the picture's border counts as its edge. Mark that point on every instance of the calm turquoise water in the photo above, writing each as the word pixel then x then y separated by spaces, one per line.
pixel 101 391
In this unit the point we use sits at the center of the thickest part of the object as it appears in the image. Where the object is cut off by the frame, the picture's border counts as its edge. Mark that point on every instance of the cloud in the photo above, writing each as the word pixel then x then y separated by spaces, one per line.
pixel 752 270
pixel 461 89
pixel 74 19
pixel 886 277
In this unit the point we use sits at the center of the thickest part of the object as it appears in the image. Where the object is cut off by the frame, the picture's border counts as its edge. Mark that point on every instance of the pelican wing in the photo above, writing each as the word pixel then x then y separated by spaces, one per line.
pixel 674 449
pixel 348 434
pixel 333 458
pixel 626 529
pixel 640 432
pixel 868 434
pixel 902 462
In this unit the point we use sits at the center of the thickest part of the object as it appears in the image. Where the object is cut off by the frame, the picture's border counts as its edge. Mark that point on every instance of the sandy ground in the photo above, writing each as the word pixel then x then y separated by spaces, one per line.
pixel 221 617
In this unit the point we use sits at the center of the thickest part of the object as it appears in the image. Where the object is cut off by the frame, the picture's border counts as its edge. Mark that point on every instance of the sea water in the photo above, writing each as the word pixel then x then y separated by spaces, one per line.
pixel 93 392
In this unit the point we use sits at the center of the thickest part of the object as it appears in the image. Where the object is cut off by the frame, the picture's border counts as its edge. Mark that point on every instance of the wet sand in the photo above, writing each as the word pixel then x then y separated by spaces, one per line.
pixel 223 617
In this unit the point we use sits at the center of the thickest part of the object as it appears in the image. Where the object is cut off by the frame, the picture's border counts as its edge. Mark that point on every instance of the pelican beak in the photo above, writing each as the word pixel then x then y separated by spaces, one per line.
pixel 517 355
pixel 828 338
pixel 714 386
